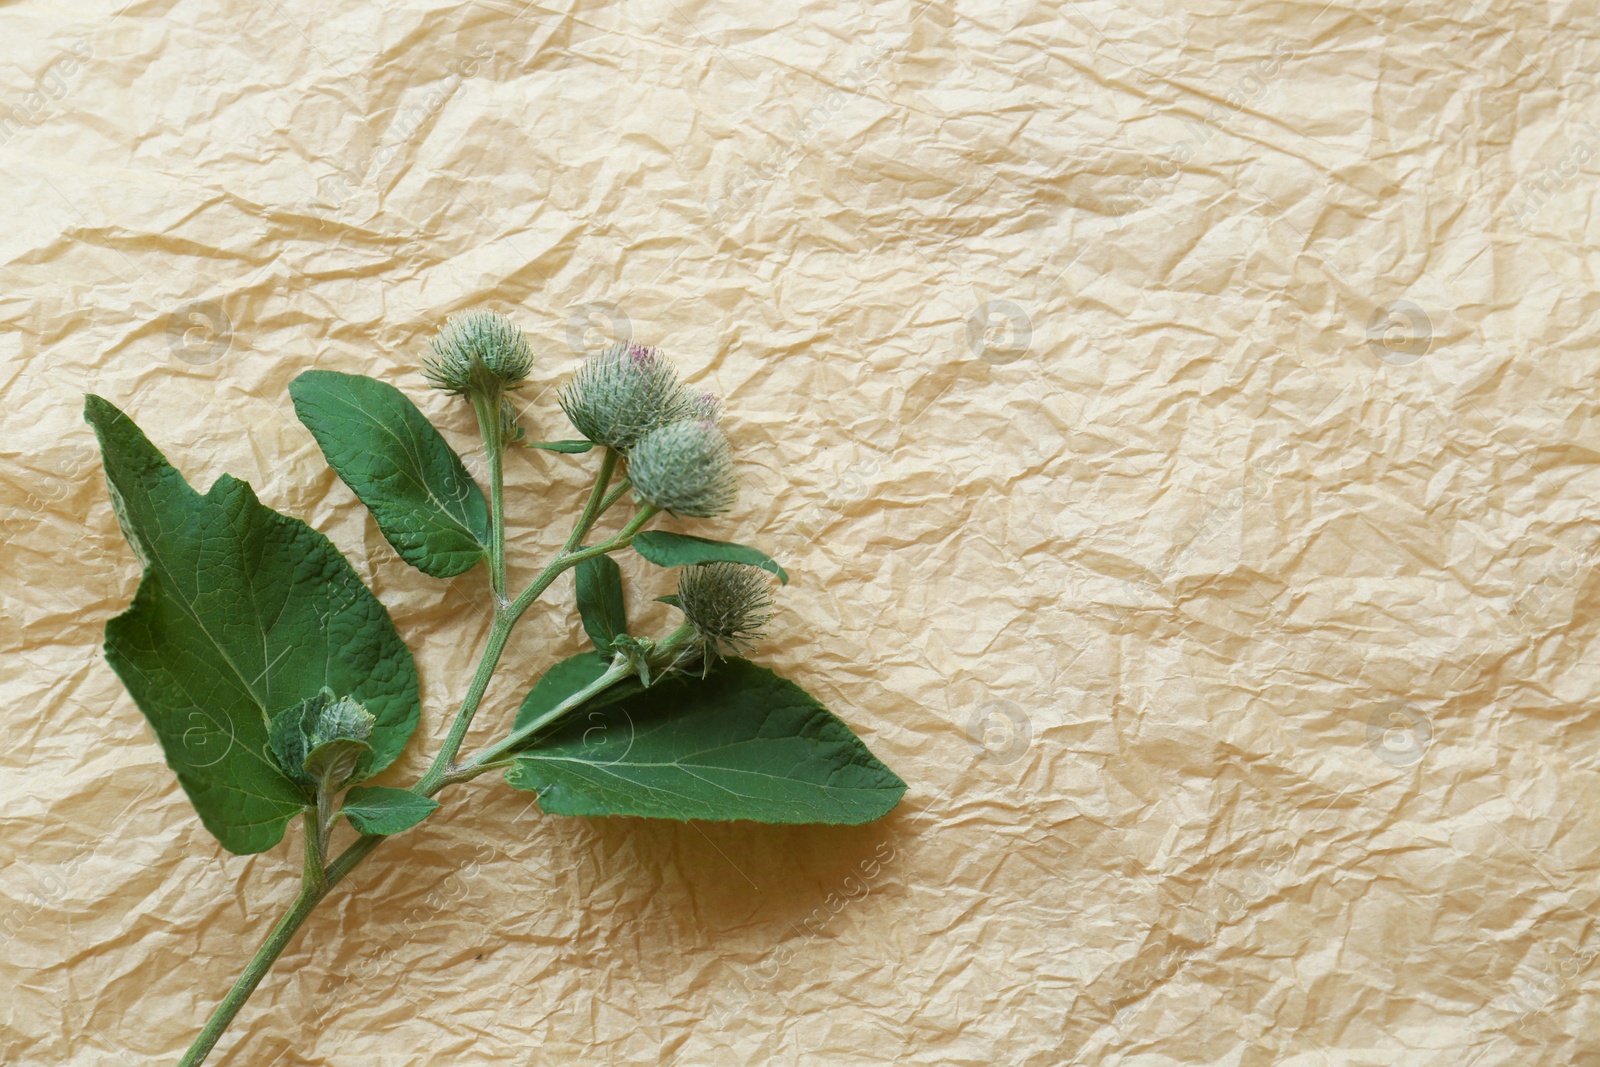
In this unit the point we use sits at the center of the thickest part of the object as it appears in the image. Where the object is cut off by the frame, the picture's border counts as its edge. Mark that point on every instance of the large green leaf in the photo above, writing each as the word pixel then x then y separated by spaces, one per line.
pixel 392 458
pixel 600 601
pixel 681 550
pixel 742 743
pixel 241 613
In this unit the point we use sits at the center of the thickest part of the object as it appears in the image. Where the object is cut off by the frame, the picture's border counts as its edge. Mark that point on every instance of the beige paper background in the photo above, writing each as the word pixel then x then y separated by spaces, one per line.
pixel 1239 653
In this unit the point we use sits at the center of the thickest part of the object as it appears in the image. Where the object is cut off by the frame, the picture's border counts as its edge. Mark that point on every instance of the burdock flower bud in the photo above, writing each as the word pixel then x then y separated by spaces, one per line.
pixel 728 604
pixel 685 468
pixel 624 393
pixel 320 739
pixel 478 351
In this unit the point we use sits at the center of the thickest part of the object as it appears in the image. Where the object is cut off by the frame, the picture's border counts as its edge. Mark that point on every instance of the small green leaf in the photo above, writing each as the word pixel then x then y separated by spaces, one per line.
pixel 742 743
pixel 671 600
pixel 681 550
pixel 333 763
pixel 376 809
pixel 566 678
pixel 393 459
pixel 569 447
pixel 600 602
pixel 241 612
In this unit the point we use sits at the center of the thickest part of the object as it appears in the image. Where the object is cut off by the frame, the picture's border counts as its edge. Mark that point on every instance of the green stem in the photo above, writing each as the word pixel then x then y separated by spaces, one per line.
pixel 314 885
pixel 256 970
pixel 499 634
pixel 597 502
pixel 624 536
pixel 615 495
pixel 323 830
pixel 316 851
pixel 492 427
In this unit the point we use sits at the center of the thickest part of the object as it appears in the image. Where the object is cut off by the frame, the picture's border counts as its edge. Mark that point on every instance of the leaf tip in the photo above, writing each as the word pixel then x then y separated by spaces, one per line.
pixel 97 409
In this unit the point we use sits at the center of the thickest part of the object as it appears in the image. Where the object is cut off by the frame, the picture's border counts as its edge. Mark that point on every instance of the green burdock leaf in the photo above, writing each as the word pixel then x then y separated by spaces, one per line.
pixel 742 743
pixel 569 447
pixel 681 550
pixel 241 613
pixel 565 679
pixel 600 602
pixel 392 458
pixel 376 809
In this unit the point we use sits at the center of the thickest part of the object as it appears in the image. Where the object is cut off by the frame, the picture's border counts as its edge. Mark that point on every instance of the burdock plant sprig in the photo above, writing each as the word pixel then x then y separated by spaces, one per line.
pixel 276 683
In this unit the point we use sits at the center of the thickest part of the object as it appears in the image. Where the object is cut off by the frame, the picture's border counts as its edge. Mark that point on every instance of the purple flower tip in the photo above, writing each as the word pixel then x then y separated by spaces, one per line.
pixel 705 406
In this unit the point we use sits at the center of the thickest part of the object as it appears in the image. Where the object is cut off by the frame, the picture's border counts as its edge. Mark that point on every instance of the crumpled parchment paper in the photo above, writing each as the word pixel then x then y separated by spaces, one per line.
pixel 1179 422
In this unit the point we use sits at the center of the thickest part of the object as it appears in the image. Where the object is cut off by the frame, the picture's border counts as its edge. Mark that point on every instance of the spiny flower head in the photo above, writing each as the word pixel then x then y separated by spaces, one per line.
pixel 478 350
pixel 685 468
pixel 625 392
pixel 728 604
